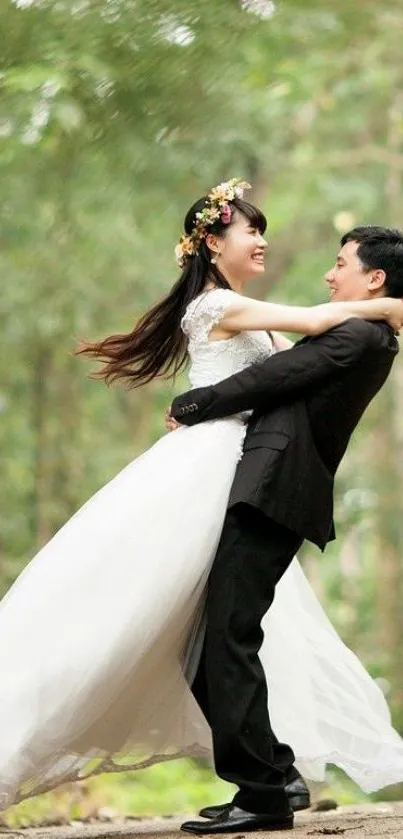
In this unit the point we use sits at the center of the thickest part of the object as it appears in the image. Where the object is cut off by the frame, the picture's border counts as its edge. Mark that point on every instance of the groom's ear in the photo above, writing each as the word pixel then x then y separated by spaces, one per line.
pixel 376 280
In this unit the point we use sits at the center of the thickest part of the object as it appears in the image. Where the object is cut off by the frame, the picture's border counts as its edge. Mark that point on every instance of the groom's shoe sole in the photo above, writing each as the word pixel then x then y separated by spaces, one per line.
pixel 301 801
pixel 233 819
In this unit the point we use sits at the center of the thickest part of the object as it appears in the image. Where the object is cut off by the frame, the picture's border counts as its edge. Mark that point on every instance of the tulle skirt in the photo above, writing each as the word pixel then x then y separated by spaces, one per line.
pixel 100 637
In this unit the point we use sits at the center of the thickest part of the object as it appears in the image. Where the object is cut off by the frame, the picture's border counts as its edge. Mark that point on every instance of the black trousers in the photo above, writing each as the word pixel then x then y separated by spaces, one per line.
pixel 230 685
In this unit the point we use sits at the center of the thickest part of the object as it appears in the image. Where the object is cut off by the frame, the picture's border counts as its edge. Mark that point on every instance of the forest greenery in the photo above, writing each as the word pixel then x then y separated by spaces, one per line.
pixel 115 115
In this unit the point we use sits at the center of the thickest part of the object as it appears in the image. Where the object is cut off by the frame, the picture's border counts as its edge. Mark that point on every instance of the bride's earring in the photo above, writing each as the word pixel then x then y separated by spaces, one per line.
pixel 214 259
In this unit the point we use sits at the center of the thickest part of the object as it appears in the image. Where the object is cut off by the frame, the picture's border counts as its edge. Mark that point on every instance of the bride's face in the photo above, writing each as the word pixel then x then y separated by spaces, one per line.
pixel 241 251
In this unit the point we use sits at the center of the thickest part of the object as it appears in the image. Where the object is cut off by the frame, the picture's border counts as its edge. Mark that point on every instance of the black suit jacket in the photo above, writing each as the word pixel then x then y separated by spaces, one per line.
pixel 306 403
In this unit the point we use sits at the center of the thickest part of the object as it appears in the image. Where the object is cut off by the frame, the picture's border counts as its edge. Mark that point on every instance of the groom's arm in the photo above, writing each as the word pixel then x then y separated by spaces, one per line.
pixel 294 373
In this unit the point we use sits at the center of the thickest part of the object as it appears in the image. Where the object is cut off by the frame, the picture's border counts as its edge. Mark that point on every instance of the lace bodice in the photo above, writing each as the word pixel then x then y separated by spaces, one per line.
pixel 211 361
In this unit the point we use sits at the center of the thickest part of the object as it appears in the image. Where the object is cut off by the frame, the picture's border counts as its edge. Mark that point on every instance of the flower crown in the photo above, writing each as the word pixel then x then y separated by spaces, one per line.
pixel 217 207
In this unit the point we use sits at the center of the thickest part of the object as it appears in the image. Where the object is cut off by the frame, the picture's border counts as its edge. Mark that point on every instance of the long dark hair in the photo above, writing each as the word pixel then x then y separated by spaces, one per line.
pixel 157 346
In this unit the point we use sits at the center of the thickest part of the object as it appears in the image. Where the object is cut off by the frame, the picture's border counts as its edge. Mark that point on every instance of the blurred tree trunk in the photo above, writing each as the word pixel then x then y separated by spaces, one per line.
pixel 63 442
pixel 69 464
pixel 41 374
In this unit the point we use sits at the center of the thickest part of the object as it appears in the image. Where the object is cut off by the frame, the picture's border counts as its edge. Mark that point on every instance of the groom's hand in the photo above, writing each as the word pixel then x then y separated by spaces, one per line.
pixel 170 422
pixel 188 408
pixel 180 409
pixel 177 411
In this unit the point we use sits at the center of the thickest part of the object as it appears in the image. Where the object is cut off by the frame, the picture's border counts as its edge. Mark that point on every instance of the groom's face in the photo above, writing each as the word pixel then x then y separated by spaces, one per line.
pixel 348 279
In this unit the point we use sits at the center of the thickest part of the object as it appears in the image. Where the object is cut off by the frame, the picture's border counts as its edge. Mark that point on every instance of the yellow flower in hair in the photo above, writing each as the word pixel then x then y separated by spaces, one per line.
pixel 239 188
pixel 220 192
pixel 187 245
pixel 178 253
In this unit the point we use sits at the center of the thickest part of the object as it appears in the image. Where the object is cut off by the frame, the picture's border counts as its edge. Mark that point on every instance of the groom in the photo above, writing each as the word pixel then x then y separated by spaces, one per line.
pixel 306 403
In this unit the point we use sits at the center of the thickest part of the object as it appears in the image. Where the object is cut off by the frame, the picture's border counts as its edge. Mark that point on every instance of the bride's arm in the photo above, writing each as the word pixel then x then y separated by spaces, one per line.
pixel 284 376
pixel 248 314
pixel 281 342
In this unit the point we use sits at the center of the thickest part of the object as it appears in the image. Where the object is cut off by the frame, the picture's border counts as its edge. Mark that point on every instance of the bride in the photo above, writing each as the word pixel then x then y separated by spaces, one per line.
pixel 100 635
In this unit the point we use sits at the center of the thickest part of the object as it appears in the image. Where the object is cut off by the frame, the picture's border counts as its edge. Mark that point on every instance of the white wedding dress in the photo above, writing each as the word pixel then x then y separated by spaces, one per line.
pixel 102 631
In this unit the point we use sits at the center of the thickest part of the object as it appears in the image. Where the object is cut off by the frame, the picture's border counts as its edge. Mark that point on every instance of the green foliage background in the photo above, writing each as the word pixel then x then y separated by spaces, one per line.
pixel 114 116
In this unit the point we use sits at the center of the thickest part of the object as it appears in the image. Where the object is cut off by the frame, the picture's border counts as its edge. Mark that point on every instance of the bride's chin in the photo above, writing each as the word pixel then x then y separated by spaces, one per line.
pixel 255 266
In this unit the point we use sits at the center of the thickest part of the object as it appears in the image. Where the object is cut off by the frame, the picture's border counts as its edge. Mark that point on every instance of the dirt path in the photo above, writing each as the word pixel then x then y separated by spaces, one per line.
pixel 362 821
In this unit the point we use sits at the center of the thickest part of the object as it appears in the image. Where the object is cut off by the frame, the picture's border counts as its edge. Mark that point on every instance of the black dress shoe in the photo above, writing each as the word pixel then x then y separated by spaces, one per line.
pixel 234 819
pixel 297 793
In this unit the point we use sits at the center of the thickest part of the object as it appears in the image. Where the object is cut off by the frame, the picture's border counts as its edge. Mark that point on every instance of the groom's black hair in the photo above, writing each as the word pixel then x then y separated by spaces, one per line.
pixel 380 247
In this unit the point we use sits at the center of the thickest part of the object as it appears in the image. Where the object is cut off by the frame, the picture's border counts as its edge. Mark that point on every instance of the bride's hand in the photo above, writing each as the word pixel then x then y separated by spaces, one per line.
pixel 394 315
pixel 170 422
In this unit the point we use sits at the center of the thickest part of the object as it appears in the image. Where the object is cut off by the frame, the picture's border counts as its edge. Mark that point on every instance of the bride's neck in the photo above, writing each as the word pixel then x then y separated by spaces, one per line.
pixel 236 285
